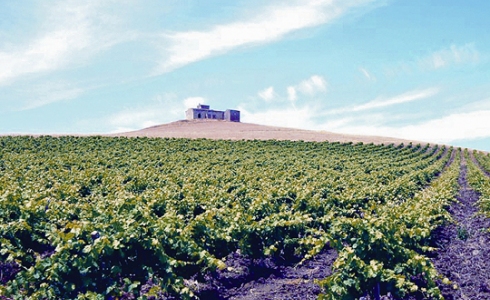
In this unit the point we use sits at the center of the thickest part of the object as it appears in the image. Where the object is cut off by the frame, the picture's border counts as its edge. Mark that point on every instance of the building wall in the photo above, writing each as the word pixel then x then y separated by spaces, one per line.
pixel 232 115
pixel 196 114
pixel 189 114
pixel 202 106
pixel 203 112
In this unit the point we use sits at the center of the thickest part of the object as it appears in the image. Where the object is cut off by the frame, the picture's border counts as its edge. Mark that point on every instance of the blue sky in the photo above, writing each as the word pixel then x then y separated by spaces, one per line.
pixel 416 69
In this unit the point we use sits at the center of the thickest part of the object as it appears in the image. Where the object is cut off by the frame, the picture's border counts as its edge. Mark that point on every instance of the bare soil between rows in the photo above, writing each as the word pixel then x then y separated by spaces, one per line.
pixel 464 247
pixel 249 279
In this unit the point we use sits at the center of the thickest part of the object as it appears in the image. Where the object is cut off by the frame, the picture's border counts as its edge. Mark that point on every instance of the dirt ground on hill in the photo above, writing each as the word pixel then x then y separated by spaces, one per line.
pixel 214 129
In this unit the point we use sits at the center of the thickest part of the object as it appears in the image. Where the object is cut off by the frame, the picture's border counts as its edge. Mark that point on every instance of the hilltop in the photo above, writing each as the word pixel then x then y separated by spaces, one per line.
pixel 214 129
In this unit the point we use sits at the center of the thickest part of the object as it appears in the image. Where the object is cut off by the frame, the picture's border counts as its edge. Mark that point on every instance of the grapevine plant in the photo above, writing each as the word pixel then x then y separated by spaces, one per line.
pixel 479 180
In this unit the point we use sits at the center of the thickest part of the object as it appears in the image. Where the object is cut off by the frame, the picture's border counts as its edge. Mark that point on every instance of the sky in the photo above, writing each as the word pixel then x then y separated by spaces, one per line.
pixel 416 69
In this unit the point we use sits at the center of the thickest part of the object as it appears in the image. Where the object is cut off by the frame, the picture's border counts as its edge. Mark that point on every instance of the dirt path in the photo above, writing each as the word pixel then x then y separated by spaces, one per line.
pixel 464 255
pixel 265 279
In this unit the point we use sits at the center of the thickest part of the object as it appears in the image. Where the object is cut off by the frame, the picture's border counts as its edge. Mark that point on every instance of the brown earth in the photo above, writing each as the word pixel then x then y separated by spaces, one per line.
pixel 215 129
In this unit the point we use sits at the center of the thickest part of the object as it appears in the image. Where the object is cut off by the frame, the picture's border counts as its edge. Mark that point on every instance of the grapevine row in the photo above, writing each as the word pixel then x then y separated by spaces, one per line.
pixel 479 180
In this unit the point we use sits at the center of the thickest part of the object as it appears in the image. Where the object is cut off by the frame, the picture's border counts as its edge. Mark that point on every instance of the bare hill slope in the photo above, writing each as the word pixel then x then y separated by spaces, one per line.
pixel 214 129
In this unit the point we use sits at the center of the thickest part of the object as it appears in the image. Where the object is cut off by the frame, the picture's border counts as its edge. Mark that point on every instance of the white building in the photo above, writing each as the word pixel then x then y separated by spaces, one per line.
pixel 204 112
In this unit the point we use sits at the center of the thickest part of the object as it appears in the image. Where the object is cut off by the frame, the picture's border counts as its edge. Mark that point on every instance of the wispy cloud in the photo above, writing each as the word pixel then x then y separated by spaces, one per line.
pixel 51 93
pixel 292 94
pixel 310 86
pixel 132 119
pixel 404 98
pixel 367 74
pixel 450 56
pixel 383 102
pixel 453 127
pixel 443 58
pixel 476 105
pixel 32 94
pixel 161 109
pixel 267 94
pixel 71 31
pixel 273 23
pixel 293 114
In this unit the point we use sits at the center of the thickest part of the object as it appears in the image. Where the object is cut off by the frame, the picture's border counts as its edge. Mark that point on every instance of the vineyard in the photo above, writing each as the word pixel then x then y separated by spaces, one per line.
pixel 153 218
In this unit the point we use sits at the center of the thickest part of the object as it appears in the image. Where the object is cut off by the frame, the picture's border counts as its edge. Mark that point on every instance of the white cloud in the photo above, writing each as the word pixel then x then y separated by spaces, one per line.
pixel 130 119
pixel 192 102
pixel 460 126
pixel 284 117
pixel 33 94
pixel 273 23
pixel 50 93
pixel 292 115
pixel 71 32
pixel 313 85
pixel 162 109
pixel 366 74
pixel 292 94
pixel 404 98
pixel 267 94
pixel 46 53
pixel 443 58
pixel 477 105
pixel 382 102
pixel 451 56
pixel 310 87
